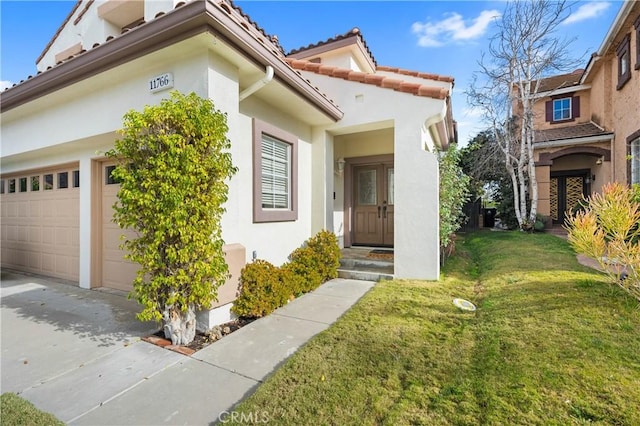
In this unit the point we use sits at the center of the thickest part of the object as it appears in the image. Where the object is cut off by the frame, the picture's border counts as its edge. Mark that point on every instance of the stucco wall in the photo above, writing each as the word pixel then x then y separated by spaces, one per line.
pixel 375 142
pixel 367 107
pixel 92 29
pixel 585 112
pixel 626 117
pixel 96 106
pixel 78 123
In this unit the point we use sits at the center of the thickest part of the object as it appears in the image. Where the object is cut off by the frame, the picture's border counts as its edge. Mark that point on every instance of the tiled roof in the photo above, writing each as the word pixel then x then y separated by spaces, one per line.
pixel 354 32
pixel 374 79
pixel 560 81
pixel 55 36
pixel 425 75
pixel 569 132
pixel 245 20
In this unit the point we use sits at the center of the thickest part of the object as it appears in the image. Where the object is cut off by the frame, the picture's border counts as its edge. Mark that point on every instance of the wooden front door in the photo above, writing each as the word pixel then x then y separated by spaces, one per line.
pixel 373 205
pixel 565 193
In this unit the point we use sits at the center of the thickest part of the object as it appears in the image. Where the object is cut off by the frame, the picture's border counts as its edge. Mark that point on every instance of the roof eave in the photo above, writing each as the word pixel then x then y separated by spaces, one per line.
pixel 603 137
pixel 624 11
pixel 182 23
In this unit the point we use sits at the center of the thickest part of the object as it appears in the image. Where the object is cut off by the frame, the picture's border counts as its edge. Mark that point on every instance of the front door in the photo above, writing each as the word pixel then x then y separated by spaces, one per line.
pixel 373 205
pixel 565 193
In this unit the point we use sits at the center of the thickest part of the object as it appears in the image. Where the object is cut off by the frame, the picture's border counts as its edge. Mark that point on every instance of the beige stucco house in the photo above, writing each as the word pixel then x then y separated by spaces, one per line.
pixel 588 122
pixel 356 141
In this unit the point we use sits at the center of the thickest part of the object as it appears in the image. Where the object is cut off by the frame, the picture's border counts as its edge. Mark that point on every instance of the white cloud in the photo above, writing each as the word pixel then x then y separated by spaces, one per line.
pixel 453 28
pixel 5 84
pixel 588 10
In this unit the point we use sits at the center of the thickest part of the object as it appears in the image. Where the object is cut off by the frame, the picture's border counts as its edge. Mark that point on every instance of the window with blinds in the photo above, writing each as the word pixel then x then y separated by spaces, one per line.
pixel 276 173
pixel 635 161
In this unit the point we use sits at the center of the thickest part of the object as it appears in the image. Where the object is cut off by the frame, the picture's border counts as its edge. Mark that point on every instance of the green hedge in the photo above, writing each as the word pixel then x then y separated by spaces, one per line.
pixel 265 287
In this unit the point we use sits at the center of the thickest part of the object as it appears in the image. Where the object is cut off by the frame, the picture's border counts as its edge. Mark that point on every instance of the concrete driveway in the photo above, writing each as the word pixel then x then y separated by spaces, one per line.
pixel 77 354
pixel 60 342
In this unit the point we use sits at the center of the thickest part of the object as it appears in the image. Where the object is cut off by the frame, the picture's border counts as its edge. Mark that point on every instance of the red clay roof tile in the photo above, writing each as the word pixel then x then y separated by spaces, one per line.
pixel 391 83
pixel 425 75
pixel 374 79
pixel 354 32
pixel 357 76
pixel 326 69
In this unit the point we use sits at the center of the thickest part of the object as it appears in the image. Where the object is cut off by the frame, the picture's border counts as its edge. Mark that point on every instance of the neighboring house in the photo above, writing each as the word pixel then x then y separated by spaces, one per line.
pixel 588 122
pixel 356 141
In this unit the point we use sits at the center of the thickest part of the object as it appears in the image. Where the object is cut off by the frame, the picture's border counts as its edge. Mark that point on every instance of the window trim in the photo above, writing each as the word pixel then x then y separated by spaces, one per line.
pixel 624 48
pixel 636 25
pixel 260 214
pixel 634 137
pixel 553 108
pixel 574 108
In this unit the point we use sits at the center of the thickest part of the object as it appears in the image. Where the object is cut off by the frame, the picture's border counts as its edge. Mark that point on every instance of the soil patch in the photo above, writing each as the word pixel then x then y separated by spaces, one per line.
pixel 201 340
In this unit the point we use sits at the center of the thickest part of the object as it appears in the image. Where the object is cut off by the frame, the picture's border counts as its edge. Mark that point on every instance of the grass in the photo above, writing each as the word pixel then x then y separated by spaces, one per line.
pixel 550 343
pixel 17 411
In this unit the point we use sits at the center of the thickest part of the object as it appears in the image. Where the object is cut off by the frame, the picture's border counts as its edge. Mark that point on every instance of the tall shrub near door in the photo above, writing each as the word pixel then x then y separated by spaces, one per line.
pixel 174 163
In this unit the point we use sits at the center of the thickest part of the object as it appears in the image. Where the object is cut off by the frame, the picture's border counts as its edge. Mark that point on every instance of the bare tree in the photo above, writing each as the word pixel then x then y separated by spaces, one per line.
pixel 524 50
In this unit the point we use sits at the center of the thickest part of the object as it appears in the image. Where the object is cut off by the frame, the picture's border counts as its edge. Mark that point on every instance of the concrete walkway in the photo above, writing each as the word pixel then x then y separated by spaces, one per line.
pixel 78 354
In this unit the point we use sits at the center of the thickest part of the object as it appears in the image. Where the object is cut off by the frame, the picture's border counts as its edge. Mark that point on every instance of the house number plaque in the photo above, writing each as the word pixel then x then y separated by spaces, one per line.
pixel 161 82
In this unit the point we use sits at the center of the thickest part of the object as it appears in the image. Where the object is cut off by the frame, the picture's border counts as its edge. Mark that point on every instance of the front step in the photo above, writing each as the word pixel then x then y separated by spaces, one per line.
pixel 365 269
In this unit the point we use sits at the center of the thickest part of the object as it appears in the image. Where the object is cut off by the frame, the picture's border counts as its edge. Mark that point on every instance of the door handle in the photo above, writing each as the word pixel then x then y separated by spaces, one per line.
pixel 384 211
pixel 379 212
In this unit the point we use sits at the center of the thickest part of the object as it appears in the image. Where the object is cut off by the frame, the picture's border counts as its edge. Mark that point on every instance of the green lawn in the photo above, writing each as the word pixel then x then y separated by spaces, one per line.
pixel 550 343
pixel 16 411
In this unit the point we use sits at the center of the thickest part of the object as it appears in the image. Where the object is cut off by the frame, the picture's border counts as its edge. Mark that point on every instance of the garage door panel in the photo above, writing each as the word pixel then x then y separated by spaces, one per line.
pixel 35 209
pixel 40 231
pixel 117 272
pixel 47 235
pixel 35 234
pixel 35 260
pixel 23 234
pixel 12 233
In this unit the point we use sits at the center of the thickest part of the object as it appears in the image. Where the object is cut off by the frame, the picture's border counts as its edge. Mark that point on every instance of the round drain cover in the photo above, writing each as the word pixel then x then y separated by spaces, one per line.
pixel 465 305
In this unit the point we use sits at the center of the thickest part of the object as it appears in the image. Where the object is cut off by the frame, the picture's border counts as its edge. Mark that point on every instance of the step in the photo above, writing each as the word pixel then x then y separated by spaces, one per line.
pixel 363 275
pixel 354 263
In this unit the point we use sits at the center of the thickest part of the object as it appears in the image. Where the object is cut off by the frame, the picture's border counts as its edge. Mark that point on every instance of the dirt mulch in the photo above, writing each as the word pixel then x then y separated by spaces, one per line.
pixel 201 340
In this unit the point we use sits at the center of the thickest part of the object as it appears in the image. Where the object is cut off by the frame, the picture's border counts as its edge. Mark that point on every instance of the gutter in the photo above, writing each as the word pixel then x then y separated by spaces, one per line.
pixel 181 23
pixel 268 76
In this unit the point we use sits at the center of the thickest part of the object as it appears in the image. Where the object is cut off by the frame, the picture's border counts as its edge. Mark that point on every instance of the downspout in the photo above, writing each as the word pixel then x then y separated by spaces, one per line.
pixel 268 76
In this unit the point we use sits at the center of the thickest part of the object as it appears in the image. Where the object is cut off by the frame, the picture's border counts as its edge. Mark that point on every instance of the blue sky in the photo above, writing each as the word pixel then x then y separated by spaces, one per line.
pixel 443 37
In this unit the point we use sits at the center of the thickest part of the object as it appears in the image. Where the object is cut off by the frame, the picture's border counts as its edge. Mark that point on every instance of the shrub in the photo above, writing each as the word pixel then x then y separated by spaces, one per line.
pixel 264 287
pixel 173 168
pixel 607 230
pixel 453 194
pixel 317 260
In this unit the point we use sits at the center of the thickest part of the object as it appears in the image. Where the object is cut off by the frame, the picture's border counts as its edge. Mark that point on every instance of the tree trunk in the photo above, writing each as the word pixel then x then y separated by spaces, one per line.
pixel 179 326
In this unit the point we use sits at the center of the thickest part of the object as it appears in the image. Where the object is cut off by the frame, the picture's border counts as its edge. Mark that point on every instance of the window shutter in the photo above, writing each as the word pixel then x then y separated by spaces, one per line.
pixel 548 111
pixel 575 106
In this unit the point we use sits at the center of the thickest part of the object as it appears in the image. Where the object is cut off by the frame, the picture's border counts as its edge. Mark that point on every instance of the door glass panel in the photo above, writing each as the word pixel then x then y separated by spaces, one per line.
pixel 553 198
pixel 367 189
pixel 390 186
pixel 575 185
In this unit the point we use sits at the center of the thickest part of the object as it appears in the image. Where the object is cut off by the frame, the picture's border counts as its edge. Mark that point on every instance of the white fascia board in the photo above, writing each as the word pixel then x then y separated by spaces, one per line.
pixel 562 91
pixel 607 137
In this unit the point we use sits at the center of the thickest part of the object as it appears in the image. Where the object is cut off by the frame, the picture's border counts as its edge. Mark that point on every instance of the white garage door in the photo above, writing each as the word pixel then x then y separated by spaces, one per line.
pixel 40 221
pixel 117 272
